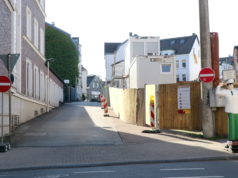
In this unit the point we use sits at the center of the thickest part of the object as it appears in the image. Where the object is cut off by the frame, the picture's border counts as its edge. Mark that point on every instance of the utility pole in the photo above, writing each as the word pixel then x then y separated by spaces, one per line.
pixel 208 123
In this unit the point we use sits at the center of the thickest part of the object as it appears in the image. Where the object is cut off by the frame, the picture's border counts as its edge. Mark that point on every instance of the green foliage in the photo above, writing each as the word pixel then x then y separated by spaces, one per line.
pixel 59 45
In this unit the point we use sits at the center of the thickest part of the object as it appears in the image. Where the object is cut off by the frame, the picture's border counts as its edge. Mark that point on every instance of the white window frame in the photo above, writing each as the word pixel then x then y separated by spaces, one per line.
pixel 177 78
pixel 177 64
pixel 28 78
pixel 36 33
pixel 28 22
pixel 42 86
pixel 36 82
pixel 161 68
pixel 184 62
pixel 42 41
pixel 185 77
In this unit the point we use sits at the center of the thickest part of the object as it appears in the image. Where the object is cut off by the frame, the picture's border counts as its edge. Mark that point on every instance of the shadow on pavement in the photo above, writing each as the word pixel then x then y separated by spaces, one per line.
pixel 78 135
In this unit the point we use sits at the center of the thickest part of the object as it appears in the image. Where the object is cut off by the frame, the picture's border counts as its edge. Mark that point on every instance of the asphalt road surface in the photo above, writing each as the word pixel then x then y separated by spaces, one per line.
pixel 70 125
pixel 210 169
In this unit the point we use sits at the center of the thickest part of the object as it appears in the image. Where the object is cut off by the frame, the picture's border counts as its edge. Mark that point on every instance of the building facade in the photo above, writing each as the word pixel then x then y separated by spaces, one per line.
pixel 94 86
pixel 187 53
pixel 185 50
pixel 23 31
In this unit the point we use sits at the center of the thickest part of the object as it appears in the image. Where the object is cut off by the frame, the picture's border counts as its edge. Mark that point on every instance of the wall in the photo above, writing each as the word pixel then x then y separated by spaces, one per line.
pixel 5 33
pixel 181 70
pixel 194 61
pixel 168 107
pixel 128 104
pixel 144 71
pixel 24 107
pixel 109 58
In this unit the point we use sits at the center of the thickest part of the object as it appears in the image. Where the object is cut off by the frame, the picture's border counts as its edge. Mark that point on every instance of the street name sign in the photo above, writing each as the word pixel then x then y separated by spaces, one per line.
pixel 207 75
pixel 5 84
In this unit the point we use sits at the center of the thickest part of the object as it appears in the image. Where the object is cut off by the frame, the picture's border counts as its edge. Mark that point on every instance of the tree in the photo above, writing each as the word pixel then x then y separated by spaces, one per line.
pixel 60 46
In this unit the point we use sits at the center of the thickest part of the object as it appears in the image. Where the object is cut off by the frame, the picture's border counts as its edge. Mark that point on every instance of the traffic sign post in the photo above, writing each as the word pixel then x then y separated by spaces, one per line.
pixel 5 85
pixel 207 75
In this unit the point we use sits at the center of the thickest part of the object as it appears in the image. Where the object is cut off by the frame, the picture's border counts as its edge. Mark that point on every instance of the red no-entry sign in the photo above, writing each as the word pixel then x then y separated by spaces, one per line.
pixel 207 75
pixel 5 84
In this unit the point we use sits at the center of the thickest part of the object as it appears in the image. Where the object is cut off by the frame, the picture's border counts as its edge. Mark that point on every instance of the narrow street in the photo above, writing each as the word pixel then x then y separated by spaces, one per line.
pixel 74 124
pixel 77 135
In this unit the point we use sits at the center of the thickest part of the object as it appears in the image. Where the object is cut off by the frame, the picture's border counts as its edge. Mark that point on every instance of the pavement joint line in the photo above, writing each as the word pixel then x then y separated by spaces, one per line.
pixel 109 164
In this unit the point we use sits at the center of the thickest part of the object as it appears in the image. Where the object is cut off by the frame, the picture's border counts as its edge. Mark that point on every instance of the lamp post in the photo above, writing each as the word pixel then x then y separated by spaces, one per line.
pixel 48 73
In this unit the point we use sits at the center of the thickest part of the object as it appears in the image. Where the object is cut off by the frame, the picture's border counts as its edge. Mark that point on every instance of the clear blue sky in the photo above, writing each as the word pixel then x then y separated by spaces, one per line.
pixel 99 21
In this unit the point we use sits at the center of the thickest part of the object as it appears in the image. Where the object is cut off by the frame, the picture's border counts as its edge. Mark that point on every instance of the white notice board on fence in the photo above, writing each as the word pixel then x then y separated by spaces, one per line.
pixel 184 97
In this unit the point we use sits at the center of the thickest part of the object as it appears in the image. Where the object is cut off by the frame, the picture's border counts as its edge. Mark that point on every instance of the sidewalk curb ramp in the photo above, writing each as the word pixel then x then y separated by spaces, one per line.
pixel 220 158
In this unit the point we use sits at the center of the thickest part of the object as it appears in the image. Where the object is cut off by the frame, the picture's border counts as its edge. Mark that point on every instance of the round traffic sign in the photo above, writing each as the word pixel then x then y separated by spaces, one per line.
pixel 5 84
pixel 207 75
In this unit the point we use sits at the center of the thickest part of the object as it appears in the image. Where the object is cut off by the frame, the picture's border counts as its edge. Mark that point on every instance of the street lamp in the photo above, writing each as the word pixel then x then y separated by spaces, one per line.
pixel 48 68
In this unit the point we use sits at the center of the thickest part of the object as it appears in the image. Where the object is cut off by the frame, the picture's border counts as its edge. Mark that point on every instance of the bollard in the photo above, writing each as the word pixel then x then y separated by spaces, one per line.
pixel 152 112
pixel 105 106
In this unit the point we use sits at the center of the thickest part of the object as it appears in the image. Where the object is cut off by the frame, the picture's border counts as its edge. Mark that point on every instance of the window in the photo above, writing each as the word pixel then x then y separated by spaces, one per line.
pixel 28 78
pixel 172 42
pixel 42 86
pixel 184 63
pixel 36 82
pixel 177 77
pixel 28 23
pixel 46 88
pixel 166 68
pixel 42 41
pixel 177 64
pixel 36 41
pixel 184 77
pixel 182 41
pixel 42 3
pixel 93 85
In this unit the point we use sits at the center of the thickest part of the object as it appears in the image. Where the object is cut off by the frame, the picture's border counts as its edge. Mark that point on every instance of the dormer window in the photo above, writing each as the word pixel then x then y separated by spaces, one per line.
pixel 172 42
pixel 182 41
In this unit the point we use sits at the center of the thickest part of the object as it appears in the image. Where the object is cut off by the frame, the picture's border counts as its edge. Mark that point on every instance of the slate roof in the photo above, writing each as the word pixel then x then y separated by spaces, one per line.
pixel 90 79
pixel 226 60
pixel 110 48
pixel 181 45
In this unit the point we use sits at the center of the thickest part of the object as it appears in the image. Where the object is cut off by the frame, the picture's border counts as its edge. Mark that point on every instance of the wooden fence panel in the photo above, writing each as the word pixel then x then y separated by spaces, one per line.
pixel 168 106
pixel 221 123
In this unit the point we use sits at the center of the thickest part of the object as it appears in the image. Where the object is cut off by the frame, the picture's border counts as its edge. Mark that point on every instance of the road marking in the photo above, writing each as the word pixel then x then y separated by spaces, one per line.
pixel 93 172
pixel 53 176
pixel 35 134
pixel 183 169
pixel 198 177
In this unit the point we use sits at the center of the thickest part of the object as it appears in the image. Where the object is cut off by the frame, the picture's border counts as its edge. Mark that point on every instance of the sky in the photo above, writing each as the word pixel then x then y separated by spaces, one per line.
pixel 98 21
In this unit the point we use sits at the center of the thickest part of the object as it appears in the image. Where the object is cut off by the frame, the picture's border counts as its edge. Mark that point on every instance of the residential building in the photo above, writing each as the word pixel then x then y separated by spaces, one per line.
pixel 187 54
pixel 152 70
pixel 186 51
pixel 226 63
pixel 94 86
pixel 109 56
pixel 22 31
